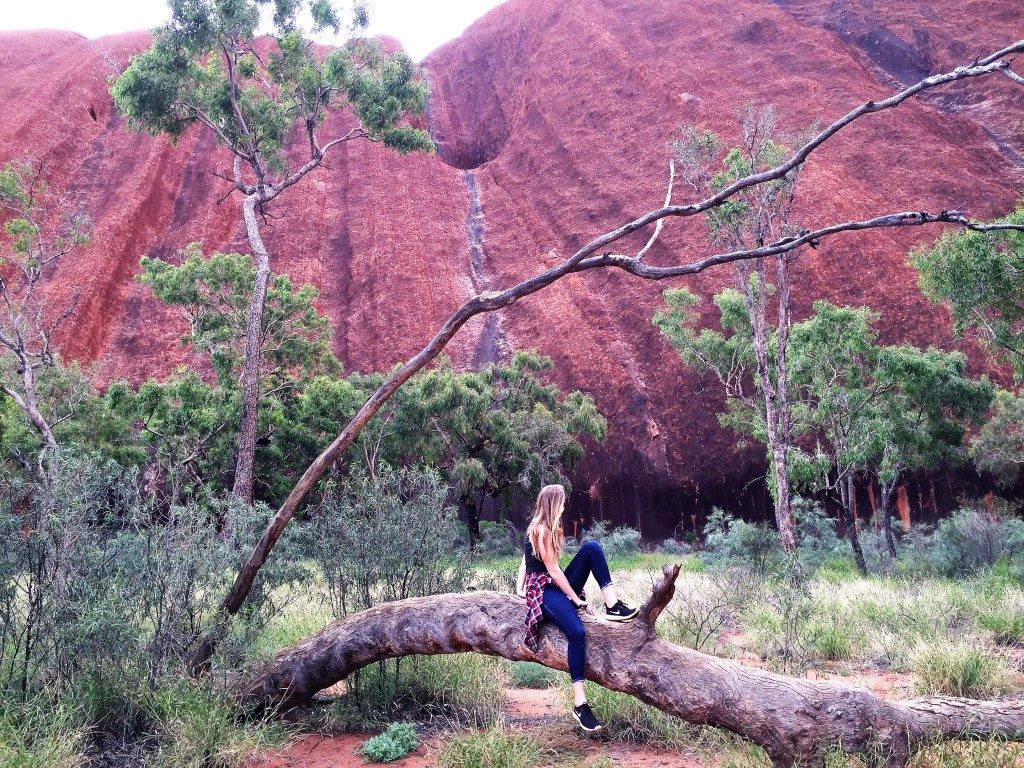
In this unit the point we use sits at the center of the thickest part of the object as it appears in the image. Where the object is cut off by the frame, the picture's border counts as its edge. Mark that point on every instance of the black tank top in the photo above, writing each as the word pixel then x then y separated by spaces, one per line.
pixel 533 564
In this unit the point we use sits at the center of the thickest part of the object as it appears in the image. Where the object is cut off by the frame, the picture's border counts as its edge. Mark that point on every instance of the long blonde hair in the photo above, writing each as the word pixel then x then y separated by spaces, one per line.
pixel 548 512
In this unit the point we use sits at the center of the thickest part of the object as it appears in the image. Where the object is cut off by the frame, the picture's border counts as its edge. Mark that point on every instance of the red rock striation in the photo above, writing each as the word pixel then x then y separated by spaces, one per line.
pixel 552 121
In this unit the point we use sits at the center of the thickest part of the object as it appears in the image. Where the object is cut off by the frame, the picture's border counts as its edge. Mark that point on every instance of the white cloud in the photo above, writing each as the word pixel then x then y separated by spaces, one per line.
pixel 421 26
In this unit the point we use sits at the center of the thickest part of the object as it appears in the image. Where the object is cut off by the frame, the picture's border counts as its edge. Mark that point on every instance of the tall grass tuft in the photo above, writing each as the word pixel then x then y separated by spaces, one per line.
pixel 528 674
pixel 956 669
pixel 494 747
pixel 41 733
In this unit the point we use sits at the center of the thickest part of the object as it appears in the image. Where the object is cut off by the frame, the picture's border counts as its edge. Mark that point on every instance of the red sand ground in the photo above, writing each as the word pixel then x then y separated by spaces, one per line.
pixel 563 111
pixel 532 710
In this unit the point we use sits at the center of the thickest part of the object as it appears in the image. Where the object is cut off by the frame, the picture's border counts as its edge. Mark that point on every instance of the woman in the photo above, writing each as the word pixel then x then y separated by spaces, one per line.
pixel 557 595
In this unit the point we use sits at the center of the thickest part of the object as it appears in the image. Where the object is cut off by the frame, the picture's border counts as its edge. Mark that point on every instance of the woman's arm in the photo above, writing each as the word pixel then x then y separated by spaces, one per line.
pixel 547 554
pixel 521 578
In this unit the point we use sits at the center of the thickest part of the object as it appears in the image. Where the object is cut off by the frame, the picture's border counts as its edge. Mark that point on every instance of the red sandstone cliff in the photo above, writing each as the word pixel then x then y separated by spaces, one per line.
pixel 552 120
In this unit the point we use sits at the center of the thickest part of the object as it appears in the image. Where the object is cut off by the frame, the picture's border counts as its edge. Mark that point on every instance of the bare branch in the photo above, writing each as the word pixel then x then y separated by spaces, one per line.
pixel 661 222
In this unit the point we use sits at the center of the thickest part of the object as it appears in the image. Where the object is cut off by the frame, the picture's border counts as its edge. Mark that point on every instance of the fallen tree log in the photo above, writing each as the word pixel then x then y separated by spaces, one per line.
pixel 796 721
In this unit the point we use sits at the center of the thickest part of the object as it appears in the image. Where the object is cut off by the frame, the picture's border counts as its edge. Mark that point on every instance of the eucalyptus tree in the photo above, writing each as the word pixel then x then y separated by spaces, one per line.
pixel 750 219
pixel 41 227
pixel 208 66
pixel 866 410
pixel 188 420
pixel 979 276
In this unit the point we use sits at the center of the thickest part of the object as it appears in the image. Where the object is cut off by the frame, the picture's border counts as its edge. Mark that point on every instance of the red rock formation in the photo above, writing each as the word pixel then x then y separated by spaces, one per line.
pixel 552 121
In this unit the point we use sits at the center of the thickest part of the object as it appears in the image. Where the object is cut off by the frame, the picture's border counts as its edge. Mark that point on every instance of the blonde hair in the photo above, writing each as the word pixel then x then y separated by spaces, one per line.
pixel 548 513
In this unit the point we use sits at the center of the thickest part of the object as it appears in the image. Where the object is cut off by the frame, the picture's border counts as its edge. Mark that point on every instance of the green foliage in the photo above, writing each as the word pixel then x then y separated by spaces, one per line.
pixel 616 542
pixel 492 433
pixel 198 728
pixel 960 670
pixel 977 275
pixel 527 674
pixel 203 67
pixel 880 409
pixel 730 541
pixel 386 537
pixel 100 587
pixel 495 747
pixel 191 423
pixel 967 542
pixel 214 293
pixel 998 447
pixel 44 732
pixel 626 718
pixel 81 418
pixel 395 743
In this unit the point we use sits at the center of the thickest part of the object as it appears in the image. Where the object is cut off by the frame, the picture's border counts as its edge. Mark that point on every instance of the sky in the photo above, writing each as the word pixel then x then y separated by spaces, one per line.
pixel 421 26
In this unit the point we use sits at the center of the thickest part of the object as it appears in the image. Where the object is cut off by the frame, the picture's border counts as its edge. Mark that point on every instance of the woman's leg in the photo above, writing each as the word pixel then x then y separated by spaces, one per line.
pixel 591 560
pixel 557 608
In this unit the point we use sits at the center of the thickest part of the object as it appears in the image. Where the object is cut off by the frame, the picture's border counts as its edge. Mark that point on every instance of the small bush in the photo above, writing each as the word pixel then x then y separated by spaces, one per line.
pixel 1008 628
pixel 499 539
pixel 40 734
pixel 616 543
pixel 463 688
pixel 495 747
pixel 395 743
pixel 527 674
pixel 729 541
pixel 628 719
pixel 960 670
pixel 674 547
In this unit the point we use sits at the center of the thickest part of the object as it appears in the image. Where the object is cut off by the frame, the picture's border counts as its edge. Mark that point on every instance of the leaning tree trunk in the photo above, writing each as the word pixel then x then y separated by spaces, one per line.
pixel 247 428
pixel 795 720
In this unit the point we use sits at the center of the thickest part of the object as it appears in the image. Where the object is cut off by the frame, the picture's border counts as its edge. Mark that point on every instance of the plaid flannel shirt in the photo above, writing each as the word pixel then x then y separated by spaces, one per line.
pixel 535 583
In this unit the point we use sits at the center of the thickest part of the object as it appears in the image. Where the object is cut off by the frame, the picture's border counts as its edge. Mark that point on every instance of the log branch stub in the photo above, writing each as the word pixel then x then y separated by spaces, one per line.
pixel 794 720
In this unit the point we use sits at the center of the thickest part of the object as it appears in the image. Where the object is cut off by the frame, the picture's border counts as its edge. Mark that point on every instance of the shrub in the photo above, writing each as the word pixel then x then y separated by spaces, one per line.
pixel 618 542
pixel 967 542
pixel 395 743
pixel 707 604
pixel 960 670
pixel 732 542
pixel 495 747
pixel 674 547
pixel 817 542
pixel 527 674
pixel 1008 628
pixel 499 539
pixel 387 537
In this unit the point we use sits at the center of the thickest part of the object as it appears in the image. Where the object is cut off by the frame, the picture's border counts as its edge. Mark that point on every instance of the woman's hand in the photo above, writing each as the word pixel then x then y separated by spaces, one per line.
pixel 586 610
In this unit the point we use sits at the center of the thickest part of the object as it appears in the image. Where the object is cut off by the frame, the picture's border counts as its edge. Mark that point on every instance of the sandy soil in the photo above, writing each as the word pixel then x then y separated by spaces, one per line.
pixel 545 711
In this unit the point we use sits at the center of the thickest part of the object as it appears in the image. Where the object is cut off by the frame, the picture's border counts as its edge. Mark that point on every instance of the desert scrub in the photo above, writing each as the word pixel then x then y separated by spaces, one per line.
pixel 956 669
pixel 527 674
pixel 494 747
pixel 463 688
pixel 41 733
pixel 989 753
pixel 626 718
pixel 395 743
pixel 196 728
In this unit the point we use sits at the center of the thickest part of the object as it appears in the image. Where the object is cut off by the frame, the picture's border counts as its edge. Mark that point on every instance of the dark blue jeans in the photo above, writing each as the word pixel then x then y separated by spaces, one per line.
pixel 560 611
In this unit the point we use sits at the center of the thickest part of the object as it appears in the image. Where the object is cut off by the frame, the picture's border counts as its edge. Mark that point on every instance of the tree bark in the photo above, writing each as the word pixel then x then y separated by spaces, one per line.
pixel 793 719
pixel 888 505
pixel 247 428
pixel 846 491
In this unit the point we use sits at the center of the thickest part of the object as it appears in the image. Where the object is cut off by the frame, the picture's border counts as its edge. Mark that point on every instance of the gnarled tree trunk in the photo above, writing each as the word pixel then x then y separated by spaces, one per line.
pixel 794 720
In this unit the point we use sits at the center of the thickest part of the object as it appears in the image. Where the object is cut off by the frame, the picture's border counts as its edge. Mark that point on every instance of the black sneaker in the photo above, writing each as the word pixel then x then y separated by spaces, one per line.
pixel 585 717
pixel 621 612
